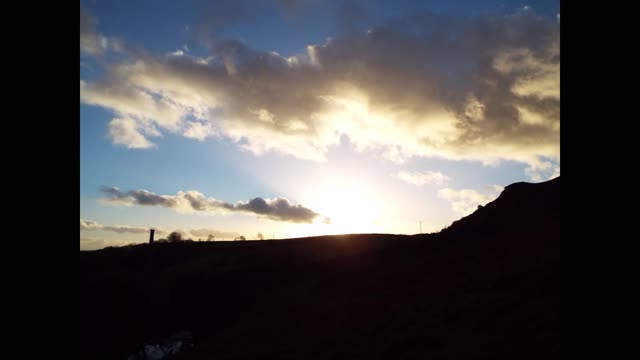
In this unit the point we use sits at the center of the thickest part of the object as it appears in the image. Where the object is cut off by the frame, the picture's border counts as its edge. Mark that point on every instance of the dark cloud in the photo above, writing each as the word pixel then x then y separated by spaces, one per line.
pixel 279 209
pixel 138 197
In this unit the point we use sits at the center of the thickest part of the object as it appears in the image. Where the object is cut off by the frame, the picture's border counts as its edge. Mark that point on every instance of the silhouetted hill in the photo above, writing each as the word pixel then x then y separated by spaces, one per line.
pixel 486 287
pixel 519 205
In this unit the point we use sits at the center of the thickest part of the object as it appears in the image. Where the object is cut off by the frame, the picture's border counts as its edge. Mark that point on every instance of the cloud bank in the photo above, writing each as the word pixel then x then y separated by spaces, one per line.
pixel 95 244
pixel 466 201
pixel 218 234
pixel 90 225
pixel 484 89
pixel 278 209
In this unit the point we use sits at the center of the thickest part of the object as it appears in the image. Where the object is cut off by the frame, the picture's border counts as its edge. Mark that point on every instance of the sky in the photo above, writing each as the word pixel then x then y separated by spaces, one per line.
pixel 305 117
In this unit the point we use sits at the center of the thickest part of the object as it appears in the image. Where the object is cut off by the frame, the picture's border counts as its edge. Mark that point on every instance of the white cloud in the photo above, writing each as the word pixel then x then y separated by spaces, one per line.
pixel 542 77
pixel 425 177
pixel 134 103
pixel 89 225
pixel 198 131
pixel 466 201
pixel 125 131
pixel 542 170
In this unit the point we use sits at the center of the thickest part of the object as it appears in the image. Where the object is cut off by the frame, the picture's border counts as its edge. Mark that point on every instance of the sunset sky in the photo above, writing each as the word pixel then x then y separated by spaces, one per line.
pixel 307 117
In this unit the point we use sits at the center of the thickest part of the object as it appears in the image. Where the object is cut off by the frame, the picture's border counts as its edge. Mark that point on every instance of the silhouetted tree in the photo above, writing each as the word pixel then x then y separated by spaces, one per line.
pixel 174 237
pixel 211 237
pixel 240 238
pixel 260 236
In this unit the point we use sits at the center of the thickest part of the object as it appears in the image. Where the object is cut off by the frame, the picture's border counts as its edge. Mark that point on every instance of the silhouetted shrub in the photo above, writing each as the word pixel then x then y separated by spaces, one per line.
pixel 174 237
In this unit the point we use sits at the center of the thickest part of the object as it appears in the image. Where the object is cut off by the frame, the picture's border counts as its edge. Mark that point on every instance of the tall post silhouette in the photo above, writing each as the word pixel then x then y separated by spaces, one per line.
pixel 420 227
pixel 151 231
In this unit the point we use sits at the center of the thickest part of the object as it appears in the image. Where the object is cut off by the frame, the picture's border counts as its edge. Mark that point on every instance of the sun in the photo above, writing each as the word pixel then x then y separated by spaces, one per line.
pixel 345 208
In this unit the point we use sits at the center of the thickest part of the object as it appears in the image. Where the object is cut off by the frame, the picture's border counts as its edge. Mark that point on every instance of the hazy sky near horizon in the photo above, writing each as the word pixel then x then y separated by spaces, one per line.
pixel 308 117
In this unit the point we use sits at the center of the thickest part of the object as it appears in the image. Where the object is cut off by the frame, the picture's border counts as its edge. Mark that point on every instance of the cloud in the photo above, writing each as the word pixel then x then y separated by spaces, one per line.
pixel 198 131
pixel 92 243
pixel 425 177
pixel 542 170
pixel 89 243
pixel 279 209
pixel 483 89
pixel 466 201
pixel 134 104
pixel 124 131
pixel 91 41
pixel 218 234
pixel 203 233
pixel 130 229
pixel 90 225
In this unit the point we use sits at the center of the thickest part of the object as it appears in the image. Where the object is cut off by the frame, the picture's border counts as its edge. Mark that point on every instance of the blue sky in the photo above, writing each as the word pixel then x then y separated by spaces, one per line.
pixel 360 116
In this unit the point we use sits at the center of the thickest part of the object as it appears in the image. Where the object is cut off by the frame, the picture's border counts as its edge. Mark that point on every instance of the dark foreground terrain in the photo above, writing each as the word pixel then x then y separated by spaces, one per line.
pixel 487 287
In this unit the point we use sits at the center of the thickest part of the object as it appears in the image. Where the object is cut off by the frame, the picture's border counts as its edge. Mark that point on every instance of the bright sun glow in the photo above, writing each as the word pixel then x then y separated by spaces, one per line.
pixel 349 207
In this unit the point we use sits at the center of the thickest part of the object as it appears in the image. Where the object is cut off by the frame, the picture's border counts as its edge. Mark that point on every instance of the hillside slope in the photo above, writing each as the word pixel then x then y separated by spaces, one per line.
pixel 488 286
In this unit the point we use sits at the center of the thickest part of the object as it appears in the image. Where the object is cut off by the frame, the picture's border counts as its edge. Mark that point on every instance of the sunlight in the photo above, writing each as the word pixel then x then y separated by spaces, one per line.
pixel 349 206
